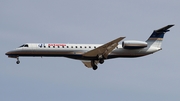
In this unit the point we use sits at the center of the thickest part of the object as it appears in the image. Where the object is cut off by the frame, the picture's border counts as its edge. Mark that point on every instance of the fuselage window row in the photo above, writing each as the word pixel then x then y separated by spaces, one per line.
pixel 62 46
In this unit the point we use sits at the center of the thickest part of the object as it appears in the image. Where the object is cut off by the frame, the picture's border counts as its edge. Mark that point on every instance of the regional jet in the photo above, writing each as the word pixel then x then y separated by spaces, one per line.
pixel 92 54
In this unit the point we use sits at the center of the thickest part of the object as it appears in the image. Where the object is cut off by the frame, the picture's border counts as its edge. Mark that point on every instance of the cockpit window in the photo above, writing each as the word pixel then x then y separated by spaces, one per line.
pixel 24 45
pixel 21 46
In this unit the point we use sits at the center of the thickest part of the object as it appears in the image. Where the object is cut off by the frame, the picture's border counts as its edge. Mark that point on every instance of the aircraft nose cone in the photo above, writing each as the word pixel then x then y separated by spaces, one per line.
pixel 8 53
pixel 11 54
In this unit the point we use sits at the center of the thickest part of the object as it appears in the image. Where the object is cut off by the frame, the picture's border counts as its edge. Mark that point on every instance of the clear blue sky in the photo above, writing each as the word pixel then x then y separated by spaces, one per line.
pixel 152 78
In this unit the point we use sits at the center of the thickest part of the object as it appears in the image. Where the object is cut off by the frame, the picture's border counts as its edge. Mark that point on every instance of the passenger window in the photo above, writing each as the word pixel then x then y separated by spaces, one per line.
pixel 53 46
pixel 85 47
pixel 71 46
pixel 67 46
pixel 94 46
pixel 76 47
pixel 89 46
pixel 58 46
pixel 80 46
pixel 49 46
pixel 62 46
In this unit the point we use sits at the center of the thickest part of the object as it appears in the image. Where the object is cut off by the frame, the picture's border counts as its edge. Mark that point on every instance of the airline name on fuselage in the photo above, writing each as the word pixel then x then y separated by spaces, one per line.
pixel 52 44
pixel 56 44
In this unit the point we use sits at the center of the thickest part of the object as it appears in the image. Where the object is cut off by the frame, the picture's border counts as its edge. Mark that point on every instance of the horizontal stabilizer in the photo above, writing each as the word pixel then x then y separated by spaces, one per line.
pixel 164 29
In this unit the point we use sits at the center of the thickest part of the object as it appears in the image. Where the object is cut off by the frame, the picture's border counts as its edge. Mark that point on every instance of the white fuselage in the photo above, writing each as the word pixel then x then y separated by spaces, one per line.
pixel 75 51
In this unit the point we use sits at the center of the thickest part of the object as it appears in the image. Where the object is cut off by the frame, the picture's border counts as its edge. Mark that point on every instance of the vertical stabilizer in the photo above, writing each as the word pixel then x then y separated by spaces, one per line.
pixel 155 40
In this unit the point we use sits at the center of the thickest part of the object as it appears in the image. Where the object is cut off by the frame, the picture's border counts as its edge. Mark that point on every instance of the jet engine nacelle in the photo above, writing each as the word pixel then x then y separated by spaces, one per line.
pixel 132 44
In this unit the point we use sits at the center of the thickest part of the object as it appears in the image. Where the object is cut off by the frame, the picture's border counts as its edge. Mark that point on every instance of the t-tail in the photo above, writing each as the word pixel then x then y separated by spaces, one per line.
pixel 156 38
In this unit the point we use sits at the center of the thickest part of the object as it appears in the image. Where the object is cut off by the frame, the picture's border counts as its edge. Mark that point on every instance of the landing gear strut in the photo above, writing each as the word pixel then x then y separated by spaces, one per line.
pixel 17 60
pixel 94 66
pixel 101 59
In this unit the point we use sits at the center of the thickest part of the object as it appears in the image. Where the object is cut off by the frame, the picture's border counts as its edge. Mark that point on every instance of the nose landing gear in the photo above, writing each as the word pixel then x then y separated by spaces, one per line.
pixel 17 62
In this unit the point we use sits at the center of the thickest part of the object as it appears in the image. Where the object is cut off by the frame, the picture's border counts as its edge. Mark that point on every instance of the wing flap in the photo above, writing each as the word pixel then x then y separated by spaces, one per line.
pixel 88 64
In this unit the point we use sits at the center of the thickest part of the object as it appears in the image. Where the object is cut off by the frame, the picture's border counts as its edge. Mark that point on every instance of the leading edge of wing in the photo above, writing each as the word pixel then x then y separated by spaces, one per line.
pixel 103 48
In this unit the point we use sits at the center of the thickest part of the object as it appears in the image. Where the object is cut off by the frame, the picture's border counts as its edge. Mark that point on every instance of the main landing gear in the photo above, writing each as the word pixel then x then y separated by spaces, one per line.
pixel 101 61
pixel 100 58
pixel 17 60
pixel 94 65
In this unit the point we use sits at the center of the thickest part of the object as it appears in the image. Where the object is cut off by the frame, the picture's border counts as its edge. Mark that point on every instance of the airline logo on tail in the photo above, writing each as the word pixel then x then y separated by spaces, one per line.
pixel 156 37
pixel 159 34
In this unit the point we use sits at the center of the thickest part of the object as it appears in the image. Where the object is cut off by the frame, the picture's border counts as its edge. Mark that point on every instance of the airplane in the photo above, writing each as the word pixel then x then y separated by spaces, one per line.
pixel 92 54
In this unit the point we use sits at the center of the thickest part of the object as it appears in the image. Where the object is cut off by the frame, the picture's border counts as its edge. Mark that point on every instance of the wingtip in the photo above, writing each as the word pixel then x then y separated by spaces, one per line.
pixel 122 37
pixel 171 25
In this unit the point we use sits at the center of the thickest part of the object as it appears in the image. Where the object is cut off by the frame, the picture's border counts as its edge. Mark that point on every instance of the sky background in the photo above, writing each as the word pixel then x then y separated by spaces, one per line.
pixel 151 78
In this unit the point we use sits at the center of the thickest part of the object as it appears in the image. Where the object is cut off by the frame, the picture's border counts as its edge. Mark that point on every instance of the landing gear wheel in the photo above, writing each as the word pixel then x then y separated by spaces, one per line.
pixel 101 61
pixel 17 62
pixel 95 67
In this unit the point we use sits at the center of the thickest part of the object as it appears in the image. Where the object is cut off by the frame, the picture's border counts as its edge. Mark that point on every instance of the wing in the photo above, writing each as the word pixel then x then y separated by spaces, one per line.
pixel 88 63
pixel 103 50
